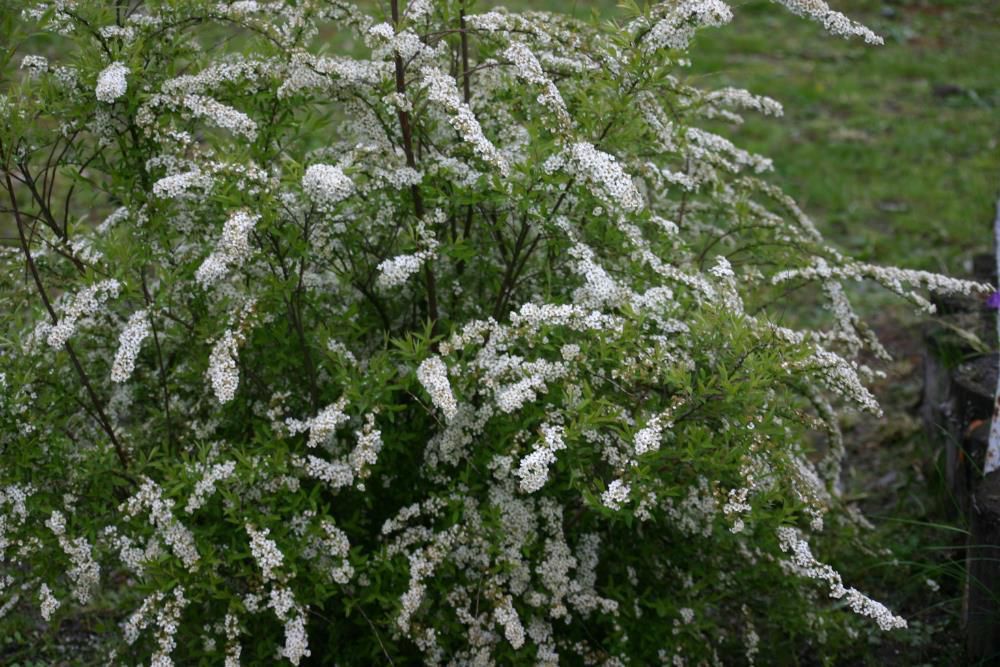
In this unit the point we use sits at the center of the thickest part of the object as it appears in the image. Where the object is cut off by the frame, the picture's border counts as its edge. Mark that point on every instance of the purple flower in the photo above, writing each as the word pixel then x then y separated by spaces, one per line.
pixel 993 301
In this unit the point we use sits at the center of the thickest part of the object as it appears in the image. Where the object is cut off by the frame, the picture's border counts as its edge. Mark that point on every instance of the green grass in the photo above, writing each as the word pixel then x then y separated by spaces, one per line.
pixel 893 149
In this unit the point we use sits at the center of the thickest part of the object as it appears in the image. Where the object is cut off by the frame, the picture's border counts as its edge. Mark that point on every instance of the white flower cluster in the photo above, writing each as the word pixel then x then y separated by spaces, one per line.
pixel 231 626
pixel 139 619
pixel 416 10
pixel 35 65
pixel 805 565
pixel 269 558
pixel 534 379
pixel 222 115
pixel 647 439
pixel 49 603
pixel 507 617
pixel 442 90
pixel 205 486
pixel 111 83
pixel 433 376
pixel 365 453
pixel 129 343
pixel 337 474
pixel 676 23
pixel 841 376
pixel 131 556
pixel 223 372
pixel 599 289
pixel 333 548
pixel 180 185
pixel 423 563
pixel 167 619
pixel 232 250
pixel 892 278
pixel 326 184
pixel 265 552
pixel 696 513
pixel 533 470
pixel 167 623
pixel 396 271
pixel 149 497
pixel 321 427
pixel 296 640
pixel 708 148
pixel 14 517
pixel 84 304
pixel 85 572
pixel 742 99
pixel 527 67
pixel 833 21
pixel 616 494
pixel 603 171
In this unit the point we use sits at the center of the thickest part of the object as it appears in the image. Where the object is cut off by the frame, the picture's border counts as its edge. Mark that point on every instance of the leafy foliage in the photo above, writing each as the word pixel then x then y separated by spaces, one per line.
pixel 465 345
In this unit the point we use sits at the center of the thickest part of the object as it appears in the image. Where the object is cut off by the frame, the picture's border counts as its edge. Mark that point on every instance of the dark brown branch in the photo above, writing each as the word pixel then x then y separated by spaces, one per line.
pixel 159 361
pixel 418 202
pixel 102 418
pixel 466 87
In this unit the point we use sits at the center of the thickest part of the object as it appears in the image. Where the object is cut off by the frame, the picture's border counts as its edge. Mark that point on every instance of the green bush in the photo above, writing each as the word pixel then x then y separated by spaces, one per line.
pixel 464 345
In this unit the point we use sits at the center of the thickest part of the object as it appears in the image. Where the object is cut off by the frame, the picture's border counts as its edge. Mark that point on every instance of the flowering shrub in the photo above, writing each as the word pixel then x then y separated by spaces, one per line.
pixel 469 344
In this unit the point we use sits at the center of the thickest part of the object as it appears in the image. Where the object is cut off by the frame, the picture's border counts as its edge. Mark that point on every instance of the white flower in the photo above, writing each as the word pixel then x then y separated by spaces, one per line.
pixel 326 184
pixel 206 485
pixel 222 370
pixel 111 83
pixel 232 250
pixel 222 115
pixel 35 65
pixel 676 22
pixel 85 573
pixel 269 558
pixel 49 602
pixel 396 271
pixel 804 564
pixel 433 376
pixel 129 342
pixel 180 539
pixel 85 303
pixel 602 170
pixel 616 494
pixel 442 90
pixel 533 470
pixel 506 616
pixel 323 425
pixel 835 22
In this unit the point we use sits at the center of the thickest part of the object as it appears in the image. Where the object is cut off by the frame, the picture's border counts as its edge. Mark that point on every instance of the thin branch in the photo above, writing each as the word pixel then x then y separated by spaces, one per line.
pixel 98 407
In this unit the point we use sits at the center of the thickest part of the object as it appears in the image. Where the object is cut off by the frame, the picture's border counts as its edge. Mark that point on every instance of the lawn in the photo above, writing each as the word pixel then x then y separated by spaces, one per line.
pixel 892 149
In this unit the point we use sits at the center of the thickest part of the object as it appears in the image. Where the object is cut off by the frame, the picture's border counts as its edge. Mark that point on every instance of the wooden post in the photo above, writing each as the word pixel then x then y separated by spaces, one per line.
pixel 960 409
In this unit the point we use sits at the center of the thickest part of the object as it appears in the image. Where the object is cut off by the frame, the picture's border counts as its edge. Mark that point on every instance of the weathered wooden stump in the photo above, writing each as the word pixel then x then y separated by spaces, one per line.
pixel 982 560
pixel 958 404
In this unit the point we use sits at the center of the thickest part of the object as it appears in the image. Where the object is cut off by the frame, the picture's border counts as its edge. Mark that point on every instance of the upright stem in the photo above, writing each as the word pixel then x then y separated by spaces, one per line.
pixel 464 37
pixel 418 202
pixel 102 418
pixel 159 360
pixel 466 96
